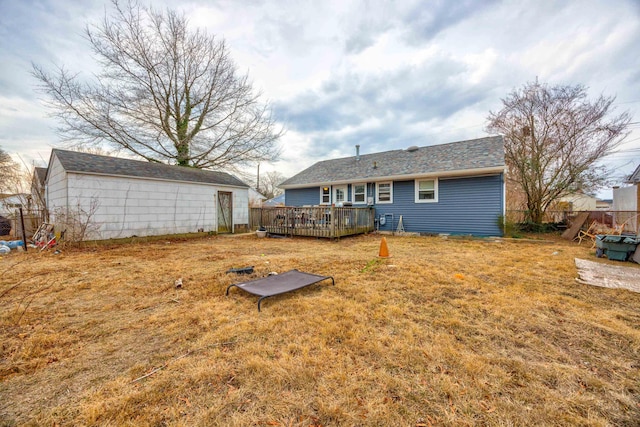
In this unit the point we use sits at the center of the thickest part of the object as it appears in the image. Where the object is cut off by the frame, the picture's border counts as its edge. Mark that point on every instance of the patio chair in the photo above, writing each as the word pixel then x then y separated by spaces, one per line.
pixel 279 284
pixel 588 234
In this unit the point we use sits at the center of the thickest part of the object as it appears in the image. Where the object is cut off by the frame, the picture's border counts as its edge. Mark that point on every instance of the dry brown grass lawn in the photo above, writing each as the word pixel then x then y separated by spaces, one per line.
pixel 446 332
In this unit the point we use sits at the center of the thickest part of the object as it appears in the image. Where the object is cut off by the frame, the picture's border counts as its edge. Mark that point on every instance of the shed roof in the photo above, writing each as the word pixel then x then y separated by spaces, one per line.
pixel 74 161
pixel 471 155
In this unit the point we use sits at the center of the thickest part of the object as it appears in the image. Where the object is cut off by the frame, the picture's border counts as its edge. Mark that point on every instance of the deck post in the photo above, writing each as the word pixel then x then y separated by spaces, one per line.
pixel 333 221
pixel 292 218
pixel 287 214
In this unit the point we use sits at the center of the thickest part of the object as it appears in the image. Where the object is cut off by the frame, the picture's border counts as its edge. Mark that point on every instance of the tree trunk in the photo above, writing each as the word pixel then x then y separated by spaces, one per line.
pixel 182 156
pixel 535 213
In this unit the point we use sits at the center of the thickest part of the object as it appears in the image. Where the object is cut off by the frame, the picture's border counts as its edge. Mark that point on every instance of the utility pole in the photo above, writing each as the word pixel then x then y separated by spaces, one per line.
pixel 258 179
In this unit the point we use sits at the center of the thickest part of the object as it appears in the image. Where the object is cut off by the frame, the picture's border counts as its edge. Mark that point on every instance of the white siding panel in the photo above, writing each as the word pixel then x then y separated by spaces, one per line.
pixel 241 206
pixel 56 187
pixel 128 207
pixel 626 198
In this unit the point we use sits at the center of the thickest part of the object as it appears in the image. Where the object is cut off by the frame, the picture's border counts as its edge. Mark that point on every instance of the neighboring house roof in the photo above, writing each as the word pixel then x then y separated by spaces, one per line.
pixel 604 203
pixel 12 197
pixel 276 201
pixel 40 174
pixel 472 156
pixel 74 161
pixel 9 202
pixel 635 176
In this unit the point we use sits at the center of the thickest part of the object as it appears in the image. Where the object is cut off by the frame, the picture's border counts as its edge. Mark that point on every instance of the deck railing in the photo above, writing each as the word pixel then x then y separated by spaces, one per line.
pixel 316 221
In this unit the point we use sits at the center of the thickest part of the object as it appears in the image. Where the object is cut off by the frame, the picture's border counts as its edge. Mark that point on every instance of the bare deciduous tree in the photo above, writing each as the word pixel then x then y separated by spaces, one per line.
pixel 554 138
pixel 165 93
pixel 77 221
pixel 269 182
pixel 9 173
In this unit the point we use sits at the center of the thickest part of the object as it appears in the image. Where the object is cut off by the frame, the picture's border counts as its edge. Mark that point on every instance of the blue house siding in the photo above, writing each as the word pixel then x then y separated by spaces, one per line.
pixel 465 206
pixel 302 197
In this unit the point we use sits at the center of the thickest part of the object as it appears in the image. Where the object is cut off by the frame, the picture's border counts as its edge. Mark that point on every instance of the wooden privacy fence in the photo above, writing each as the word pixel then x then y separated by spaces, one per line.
pixel 315 221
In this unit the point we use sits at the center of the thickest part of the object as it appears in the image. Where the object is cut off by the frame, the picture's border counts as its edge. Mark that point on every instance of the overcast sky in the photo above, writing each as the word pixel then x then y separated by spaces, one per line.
pixel 385 75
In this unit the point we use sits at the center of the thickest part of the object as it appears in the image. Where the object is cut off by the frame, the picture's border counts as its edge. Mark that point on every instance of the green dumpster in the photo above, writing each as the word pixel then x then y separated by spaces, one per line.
pixel 616 247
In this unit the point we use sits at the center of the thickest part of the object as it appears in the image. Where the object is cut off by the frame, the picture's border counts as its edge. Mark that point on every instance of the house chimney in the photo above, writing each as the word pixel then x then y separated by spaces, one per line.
pixel 357 151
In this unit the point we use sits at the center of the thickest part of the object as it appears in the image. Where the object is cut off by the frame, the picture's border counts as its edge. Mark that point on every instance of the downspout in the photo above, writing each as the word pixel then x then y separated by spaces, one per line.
pixel 504 202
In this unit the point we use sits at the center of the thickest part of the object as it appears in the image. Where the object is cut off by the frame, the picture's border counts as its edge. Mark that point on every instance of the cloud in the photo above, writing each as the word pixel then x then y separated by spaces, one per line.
pixel 418 22
pixel 407 95
pixel 380 73
pixel 423 22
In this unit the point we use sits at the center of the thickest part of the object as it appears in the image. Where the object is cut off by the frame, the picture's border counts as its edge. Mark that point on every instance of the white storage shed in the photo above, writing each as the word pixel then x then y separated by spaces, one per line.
pixel 117 197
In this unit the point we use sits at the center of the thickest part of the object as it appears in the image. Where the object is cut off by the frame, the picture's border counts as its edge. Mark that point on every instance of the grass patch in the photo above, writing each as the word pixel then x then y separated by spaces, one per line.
pixel 447 332
pixel 372 265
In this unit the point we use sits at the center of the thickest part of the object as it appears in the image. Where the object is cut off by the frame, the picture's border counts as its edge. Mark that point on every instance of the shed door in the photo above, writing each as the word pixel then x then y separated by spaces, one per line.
pixel 225 212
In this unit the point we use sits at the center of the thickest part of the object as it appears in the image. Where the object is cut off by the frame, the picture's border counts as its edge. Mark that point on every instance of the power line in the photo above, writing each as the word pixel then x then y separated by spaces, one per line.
pixel 631 140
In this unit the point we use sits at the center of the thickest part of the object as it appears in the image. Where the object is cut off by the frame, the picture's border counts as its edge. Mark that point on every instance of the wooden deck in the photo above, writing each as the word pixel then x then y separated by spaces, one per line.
pixel 315 221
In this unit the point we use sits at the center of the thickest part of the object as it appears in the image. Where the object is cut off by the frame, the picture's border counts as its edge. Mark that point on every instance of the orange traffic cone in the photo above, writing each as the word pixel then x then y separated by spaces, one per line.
pixel 384 250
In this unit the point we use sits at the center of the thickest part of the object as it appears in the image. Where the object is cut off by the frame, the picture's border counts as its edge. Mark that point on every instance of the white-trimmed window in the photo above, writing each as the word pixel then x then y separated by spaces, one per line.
pixel 359 193
pixel 384 192
pixel 325 195
pixel 426 190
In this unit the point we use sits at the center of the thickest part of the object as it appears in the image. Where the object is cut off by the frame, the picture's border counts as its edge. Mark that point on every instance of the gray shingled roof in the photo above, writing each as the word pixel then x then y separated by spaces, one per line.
pixel 41 174
pixel 74 161
pixel 445 158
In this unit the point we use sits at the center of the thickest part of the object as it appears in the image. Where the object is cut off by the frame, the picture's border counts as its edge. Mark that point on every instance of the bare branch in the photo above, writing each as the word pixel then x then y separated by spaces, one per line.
pixel 9 173
pixel 269 182
pixel 554 138
pixel 165 93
